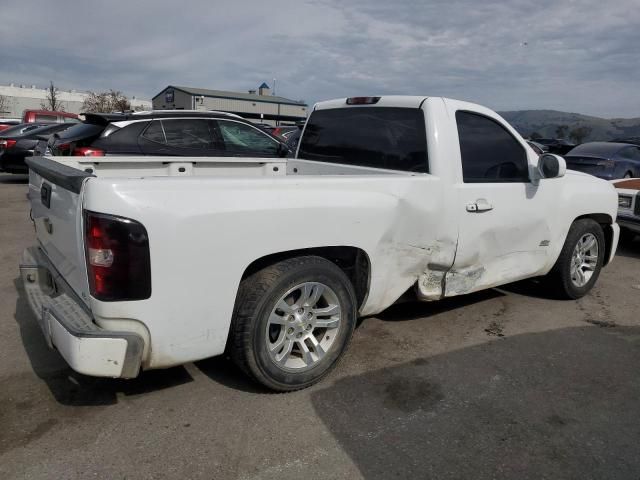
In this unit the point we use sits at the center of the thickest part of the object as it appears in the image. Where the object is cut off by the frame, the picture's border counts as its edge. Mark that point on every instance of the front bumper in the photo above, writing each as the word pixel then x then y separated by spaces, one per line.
pixel 67 324
pixel 629 222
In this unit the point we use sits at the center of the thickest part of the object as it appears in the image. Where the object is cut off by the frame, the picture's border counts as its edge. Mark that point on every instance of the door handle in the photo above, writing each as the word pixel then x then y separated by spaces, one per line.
pixel 480 205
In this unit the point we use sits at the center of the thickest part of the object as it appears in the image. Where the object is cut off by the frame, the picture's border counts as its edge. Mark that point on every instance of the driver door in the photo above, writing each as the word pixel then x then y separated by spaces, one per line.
pixel 503 218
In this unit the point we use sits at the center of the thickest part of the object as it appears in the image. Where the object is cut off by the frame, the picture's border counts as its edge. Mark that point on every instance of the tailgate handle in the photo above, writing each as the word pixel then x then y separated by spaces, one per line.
pixel 45 195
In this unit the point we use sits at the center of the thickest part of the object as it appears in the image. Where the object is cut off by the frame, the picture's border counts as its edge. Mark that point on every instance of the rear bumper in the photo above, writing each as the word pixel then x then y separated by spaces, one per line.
pixel 67 324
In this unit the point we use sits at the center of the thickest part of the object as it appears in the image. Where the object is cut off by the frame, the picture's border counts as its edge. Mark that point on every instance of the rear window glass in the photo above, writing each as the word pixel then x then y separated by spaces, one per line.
pixel 46 118
pixel 379 137
pixel 81 130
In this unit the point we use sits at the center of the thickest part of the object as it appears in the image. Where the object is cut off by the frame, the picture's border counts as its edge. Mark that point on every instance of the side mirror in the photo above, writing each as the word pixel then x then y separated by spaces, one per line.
pixel 551 166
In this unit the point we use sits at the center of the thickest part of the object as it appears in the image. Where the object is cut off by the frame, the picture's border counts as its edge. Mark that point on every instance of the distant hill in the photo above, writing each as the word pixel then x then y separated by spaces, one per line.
pixel 545 122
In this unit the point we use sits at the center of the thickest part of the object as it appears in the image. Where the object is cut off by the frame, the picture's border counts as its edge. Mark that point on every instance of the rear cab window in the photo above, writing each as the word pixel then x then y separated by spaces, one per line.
pixel 380 137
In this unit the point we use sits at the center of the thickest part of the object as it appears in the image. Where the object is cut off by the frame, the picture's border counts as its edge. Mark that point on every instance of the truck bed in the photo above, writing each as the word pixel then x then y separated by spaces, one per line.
pixel 148 166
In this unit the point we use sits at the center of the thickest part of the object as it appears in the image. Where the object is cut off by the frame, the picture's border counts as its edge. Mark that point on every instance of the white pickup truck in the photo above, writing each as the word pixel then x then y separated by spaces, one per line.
pixel 150 262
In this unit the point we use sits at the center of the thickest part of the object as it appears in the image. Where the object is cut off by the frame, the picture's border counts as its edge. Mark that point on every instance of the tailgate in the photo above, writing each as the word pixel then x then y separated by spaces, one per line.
pixel 55 193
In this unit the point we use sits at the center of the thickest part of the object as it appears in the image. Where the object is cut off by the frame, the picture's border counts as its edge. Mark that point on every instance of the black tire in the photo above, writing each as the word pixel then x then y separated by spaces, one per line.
pixel 257 296
pixel 559 279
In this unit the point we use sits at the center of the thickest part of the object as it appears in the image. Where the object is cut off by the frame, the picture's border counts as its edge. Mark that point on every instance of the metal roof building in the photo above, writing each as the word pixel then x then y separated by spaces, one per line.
pixel 261 105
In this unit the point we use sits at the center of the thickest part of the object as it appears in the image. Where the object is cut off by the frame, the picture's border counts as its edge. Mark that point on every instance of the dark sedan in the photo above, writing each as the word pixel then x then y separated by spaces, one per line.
pixel 18 142
pixel 559 146
pixel 606 160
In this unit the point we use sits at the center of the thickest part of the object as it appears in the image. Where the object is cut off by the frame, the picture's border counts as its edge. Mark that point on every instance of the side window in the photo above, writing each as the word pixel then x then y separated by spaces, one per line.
pixel 154 132
pixel 489 152
pixel 187 133
pixel 632 153
pixel 241 138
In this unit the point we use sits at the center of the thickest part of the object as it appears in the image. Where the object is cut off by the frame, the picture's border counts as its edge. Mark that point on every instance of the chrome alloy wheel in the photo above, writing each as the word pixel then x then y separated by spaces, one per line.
pixel 303 326
pixel 584 260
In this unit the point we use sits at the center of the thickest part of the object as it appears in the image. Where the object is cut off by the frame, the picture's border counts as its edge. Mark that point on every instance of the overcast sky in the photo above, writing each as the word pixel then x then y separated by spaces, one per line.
pixel 574 55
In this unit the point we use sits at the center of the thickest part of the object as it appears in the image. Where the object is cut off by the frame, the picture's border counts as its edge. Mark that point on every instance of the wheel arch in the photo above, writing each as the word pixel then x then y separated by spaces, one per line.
pixel 353 261
pixel 606 222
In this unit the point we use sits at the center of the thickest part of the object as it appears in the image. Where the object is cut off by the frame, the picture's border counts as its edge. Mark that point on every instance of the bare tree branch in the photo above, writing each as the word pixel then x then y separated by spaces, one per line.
pixel 52 102
pixel 4 104
pixel 106 102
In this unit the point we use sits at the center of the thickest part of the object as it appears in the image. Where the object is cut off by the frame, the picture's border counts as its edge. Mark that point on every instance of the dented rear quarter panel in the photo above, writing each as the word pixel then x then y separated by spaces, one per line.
pixel 204 233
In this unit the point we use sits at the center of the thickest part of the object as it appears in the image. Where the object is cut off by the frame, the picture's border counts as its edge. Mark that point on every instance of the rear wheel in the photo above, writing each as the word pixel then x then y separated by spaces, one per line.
pixel 293 320
pixel 580 261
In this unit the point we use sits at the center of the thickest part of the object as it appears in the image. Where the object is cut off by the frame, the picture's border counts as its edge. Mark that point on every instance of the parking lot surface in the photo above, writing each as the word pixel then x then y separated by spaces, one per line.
pixel 500 384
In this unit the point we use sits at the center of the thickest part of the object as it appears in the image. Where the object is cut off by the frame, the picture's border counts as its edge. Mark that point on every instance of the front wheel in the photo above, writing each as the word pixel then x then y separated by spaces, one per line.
pixel 292 322
pixel 580 261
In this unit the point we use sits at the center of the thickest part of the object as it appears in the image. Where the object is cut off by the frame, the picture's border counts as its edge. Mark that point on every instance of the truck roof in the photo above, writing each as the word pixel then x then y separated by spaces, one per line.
pixel 403 101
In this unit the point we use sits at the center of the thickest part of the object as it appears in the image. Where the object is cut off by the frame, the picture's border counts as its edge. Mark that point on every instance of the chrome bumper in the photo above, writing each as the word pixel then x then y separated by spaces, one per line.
pixel 68 326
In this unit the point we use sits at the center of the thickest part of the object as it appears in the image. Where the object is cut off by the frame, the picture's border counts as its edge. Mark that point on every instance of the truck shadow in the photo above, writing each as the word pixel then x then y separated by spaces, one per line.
pixel 71 388
pixel 541 405
pixel 629 247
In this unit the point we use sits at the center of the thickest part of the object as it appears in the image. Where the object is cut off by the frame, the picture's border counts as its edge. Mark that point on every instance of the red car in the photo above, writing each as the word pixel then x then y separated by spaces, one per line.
pixel 8 122
pixel 48 116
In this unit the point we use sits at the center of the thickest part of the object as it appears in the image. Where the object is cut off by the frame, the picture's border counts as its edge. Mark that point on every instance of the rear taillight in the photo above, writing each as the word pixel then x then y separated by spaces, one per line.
pixel 117 255
pixel 88 152
pixel 61 149
pixel 8 143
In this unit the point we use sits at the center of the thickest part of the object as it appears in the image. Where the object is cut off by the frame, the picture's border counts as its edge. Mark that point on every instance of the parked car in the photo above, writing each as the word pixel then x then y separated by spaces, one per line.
pixel 283 131
pixel 179 133
pixel 19 142
pixel 8 122
pixel 48 116
pixel 142 265
pixel 629 206
pixel 538 147
pixel 606 160
pixel 630 140
pixel 559 146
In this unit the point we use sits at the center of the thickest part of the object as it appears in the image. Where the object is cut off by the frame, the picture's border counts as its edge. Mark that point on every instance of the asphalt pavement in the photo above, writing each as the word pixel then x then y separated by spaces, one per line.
pixel 502 384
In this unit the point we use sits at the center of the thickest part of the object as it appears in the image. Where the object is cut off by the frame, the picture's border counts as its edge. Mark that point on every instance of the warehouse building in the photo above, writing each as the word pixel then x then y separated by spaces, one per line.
pixel 260 105
pixel 14 99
